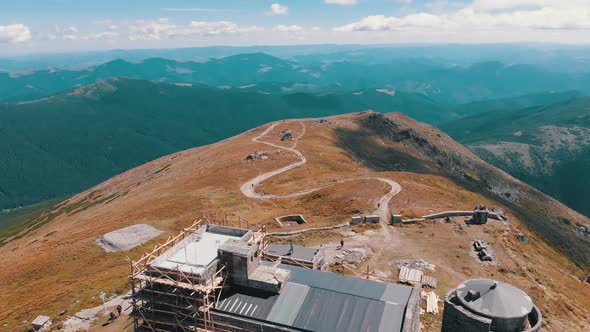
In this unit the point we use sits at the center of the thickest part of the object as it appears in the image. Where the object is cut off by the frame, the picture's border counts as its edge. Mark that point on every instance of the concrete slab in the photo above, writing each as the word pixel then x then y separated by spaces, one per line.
pixel 193 257
pixel 127 238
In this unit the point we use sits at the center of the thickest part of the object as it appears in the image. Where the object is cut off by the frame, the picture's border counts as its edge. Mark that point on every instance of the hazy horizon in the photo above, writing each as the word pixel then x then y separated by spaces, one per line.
pixel 63 26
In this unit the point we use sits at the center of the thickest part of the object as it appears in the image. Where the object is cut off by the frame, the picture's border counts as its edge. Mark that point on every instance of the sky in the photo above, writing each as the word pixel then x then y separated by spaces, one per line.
pixel 41 26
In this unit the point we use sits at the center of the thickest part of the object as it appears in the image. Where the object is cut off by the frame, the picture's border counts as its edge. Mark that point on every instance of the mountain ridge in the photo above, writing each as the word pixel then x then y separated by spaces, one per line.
pixel 435 173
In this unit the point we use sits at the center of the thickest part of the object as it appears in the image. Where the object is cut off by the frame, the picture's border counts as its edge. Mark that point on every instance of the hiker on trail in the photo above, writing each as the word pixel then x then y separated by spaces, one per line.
pixel 112 316
pixel 119 309
pixel 341 243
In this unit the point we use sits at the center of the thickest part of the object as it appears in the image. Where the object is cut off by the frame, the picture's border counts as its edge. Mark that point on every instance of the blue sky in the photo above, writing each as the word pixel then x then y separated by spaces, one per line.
pixel 32 26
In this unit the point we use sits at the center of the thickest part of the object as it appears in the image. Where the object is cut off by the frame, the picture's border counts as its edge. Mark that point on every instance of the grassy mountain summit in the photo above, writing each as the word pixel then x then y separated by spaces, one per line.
pixel 546 146
pixel 345 155
pixel 96 131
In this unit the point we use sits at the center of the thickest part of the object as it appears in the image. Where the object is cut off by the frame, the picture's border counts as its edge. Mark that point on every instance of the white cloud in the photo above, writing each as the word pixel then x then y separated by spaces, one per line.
pixel 72 33
pixel 14 33
pixel 217 28
pixel 468 18
pixel 287 28
pixel 151 29
pixel 196 9
pixel 106 22
pixel 277 9
pixel 164 29
pixel 341 2
pixel 498 5
pixel 105 35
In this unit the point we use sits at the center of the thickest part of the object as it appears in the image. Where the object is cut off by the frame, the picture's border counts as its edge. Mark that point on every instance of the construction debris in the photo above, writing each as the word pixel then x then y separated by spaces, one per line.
pixel 352 255
pixel 428 281
pixel 41 323
pixel 481 248
pixel 410 276
pixel 414 264
pixel 479 245
pixel 257 155
pixel 431 302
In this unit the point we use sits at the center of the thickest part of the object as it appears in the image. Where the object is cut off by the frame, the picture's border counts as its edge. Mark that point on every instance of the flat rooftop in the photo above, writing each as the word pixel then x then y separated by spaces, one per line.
pixel 195 253
pixel 323 301
pixel 299 252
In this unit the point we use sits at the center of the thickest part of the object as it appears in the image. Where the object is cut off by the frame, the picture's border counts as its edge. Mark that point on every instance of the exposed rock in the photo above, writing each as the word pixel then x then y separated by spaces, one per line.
pixel 257 155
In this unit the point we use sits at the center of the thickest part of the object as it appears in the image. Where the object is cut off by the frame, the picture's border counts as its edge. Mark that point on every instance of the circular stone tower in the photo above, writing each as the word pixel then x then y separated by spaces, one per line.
pixel 488 305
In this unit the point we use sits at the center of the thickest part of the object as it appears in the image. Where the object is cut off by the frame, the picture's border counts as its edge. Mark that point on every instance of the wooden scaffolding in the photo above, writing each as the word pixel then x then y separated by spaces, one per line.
pixel 172 300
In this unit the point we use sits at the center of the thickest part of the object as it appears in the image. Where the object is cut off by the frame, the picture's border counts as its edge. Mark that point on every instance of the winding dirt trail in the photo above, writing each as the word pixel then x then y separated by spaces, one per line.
pixel 249 187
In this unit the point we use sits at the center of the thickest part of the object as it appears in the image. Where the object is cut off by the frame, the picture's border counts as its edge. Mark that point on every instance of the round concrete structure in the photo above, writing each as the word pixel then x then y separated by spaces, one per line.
pixel 494 299
pixel 488 305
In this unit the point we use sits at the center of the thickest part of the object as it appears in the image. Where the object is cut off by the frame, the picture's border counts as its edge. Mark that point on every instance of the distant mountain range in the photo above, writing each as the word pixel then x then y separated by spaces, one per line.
pixel 546 146
pixel 92 132
pixel 443 82
pixel 65 143
pixel 554 57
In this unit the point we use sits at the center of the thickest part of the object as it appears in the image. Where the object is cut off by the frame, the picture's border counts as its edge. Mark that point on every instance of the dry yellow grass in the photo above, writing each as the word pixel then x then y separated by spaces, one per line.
pixel 45 274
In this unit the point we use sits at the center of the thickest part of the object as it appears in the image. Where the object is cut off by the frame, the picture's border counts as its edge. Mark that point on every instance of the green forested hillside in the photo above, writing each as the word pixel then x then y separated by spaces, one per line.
pixel 546 146
pixel 444 81
pixel 66 143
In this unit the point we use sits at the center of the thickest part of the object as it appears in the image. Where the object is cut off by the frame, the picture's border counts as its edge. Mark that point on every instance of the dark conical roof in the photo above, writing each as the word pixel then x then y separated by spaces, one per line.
pixel 494 299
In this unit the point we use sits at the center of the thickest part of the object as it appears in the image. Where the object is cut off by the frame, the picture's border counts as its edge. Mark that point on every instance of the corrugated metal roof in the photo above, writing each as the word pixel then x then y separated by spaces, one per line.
pixel 325 310
pixel 323 301
pixel 299 252
pixel 349 285
pixel 390 321
pixel 247 305
pixel 288 304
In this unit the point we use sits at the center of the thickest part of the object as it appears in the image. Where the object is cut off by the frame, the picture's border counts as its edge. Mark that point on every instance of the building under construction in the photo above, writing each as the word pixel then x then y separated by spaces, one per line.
pixel 216 278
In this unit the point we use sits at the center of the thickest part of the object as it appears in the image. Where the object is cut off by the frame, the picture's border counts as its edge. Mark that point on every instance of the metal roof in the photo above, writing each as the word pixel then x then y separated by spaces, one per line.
pixel 299 252
pixel 243 304
pixel 496 299
pixel 323 301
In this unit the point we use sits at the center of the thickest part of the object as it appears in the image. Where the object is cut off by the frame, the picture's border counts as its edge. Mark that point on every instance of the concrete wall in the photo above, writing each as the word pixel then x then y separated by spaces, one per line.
pixel 449 214
pixel 373 218
pixel 536 319
pixel 412 314
pixel 457 318
pixel 231 231
pixel 355 220
pixel 309 230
